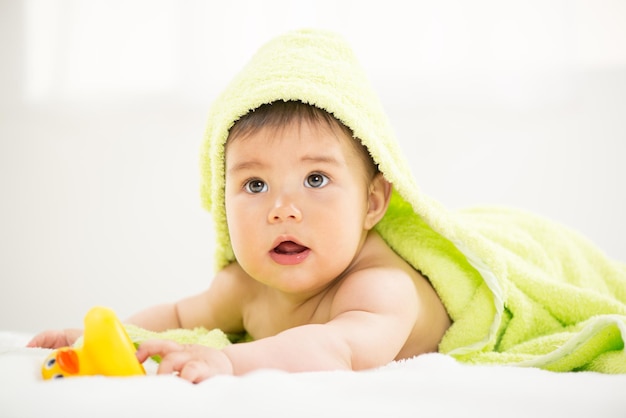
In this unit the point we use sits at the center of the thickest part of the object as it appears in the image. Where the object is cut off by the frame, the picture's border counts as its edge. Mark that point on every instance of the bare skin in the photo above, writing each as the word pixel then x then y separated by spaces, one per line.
pixel 314 285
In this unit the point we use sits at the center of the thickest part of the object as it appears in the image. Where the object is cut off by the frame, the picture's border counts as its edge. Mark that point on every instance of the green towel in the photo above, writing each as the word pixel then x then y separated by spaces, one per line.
pixel 214 338
pixel 519 289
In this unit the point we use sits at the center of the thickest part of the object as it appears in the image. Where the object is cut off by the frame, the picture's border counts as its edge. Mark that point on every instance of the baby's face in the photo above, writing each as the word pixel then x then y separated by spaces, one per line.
pixel 296 202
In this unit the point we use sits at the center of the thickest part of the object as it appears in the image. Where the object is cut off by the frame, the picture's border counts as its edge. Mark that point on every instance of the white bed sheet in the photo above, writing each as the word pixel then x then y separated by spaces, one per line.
pixel 429 385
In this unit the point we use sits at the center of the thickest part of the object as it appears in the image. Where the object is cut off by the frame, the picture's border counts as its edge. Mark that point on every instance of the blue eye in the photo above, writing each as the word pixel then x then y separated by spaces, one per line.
pixel 255 186
pixel 316 180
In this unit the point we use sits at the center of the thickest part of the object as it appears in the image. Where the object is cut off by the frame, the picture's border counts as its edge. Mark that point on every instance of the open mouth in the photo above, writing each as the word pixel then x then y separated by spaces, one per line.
pixel 289 253
pixel 289 248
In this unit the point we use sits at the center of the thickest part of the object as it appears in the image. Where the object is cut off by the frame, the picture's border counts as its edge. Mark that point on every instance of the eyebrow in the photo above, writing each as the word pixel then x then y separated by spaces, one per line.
pixel 246 165
pixel 327 159
pixel 255 164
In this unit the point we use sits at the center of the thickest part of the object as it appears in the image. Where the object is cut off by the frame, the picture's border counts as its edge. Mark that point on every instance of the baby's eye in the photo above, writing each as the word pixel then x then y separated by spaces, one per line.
pixel 255 186
pixel 316 180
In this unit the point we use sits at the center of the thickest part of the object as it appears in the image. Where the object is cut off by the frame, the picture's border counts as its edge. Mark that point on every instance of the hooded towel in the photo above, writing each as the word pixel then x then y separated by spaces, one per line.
pixel 520 289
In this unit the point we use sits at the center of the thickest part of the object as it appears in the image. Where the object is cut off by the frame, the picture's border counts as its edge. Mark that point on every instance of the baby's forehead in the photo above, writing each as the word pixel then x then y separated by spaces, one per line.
pixel 276 116
pixel 298 139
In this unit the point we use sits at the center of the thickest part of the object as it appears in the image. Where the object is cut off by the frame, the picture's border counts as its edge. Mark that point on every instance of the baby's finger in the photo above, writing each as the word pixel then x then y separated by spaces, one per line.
pixel 196 371
pixel 156 348
pixel 174 362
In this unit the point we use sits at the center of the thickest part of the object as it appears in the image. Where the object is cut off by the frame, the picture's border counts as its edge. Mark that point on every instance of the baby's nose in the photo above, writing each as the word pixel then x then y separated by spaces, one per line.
pixel 284 210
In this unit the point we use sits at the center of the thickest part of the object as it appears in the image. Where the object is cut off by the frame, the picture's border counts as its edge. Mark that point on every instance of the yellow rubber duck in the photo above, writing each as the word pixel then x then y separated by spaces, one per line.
pixel 106 350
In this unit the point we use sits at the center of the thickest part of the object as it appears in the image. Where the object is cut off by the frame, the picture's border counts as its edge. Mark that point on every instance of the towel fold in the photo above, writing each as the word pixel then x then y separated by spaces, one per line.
pixel 519 289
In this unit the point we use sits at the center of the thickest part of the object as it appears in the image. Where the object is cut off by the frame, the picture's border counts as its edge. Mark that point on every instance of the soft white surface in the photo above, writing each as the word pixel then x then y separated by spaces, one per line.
pixel 429 385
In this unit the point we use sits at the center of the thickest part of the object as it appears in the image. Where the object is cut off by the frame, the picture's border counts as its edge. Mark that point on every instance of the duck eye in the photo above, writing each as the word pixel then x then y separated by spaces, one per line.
pixel 50 363
pixel 58 376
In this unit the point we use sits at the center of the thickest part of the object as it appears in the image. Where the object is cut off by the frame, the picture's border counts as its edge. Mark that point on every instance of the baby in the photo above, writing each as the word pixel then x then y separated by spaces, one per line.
pixel 311 281
pixel 325 266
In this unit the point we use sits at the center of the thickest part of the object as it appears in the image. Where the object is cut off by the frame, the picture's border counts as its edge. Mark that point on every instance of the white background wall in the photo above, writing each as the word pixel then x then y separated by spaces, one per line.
pixel 103 104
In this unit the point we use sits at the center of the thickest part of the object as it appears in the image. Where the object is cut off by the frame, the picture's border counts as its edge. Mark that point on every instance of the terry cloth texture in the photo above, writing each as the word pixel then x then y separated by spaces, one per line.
pixel 214 338
pixel 520 289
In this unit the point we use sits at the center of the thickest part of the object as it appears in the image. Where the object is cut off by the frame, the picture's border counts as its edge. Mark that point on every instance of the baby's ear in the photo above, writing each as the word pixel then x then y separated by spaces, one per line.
pixel 378 200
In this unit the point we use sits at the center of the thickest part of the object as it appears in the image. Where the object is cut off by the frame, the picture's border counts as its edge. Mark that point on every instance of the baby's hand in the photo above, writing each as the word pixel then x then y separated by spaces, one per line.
pixel 55 338
pixel 192 362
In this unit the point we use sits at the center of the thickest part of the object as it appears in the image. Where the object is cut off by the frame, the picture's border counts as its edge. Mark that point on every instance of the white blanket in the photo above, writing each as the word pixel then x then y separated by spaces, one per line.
pixel 429 385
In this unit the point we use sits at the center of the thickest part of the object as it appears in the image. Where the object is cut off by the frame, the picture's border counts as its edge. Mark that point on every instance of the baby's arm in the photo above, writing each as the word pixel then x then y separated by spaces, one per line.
pixel 156 318
pixel 55 338
pixel 372 316
pixel 194 311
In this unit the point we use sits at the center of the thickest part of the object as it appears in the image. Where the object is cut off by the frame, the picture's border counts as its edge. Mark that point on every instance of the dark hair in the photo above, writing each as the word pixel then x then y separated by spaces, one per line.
pixel 281 113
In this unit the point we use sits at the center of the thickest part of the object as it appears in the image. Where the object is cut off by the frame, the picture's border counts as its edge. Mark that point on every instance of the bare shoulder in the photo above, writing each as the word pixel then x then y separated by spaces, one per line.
pixel 383 282
pixel 233 288
pixel 379 278
pixel 222 303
